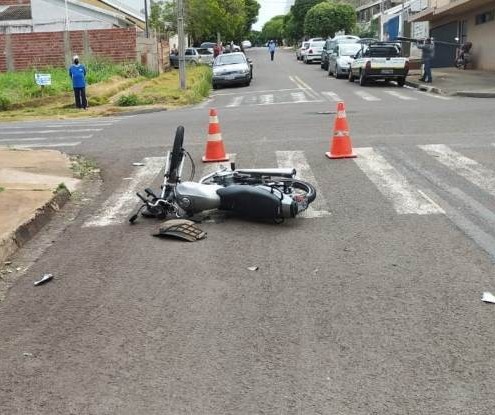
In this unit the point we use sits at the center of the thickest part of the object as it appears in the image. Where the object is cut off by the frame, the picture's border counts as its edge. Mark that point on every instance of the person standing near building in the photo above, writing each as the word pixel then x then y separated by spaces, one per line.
pixel 271 49
pixel 77 73
pixel 427 54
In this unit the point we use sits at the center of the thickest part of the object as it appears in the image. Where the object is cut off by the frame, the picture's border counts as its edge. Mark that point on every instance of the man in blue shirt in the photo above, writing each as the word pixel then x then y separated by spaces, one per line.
pixel 271 48
pixel 77 73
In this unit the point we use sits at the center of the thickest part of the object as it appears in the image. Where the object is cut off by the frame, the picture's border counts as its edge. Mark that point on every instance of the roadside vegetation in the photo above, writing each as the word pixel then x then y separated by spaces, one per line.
pixel 111 87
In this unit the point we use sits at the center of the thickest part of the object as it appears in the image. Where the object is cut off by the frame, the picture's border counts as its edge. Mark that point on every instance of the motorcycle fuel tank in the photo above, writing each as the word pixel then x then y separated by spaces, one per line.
pixel 195 197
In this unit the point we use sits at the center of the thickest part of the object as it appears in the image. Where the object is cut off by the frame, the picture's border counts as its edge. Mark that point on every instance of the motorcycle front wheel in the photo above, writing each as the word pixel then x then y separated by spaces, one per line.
pixel 304 189
pixel 177 154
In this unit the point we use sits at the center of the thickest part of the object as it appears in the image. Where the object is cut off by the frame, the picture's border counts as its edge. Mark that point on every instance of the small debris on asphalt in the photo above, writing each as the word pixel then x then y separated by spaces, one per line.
pixel 7 263
pixel 253 268
pixel 45 278
pixel 127 178
pixel 28 354
pixel 315 271
pixel 9 271
pixel 18 268
pixel 138 164
pixel 488 297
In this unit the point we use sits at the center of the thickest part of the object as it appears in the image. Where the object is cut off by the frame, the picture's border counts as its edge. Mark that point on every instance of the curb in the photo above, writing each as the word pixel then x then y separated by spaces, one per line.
pixel 435 90
pixel 427 88
pixel 475 94
pixel 30 227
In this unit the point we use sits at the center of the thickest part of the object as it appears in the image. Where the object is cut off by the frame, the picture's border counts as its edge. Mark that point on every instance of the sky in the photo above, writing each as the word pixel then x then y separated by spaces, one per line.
pixel 269 8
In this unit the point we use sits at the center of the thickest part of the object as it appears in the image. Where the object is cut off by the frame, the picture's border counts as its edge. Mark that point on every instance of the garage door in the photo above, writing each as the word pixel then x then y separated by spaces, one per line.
pixel 444 54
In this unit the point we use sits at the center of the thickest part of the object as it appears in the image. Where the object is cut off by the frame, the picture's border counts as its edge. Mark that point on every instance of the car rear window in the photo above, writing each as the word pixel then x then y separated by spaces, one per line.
pixel 383 52
pixel 317 44
pixel 305 45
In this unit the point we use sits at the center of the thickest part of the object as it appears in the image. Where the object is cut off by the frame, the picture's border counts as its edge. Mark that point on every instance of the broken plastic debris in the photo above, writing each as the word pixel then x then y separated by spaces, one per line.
pixel 138 164
pixel 253 268
pixel 488 297
pixel 182 229
pixel 18 268
pixel 7 263
pixel 46 278
pixel 28 354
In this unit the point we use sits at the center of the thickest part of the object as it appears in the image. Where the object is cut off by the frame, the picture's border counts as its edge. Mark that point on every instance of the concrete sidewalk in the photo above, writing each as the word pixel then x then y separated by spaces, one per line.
pixel 34 184
pixel 453 81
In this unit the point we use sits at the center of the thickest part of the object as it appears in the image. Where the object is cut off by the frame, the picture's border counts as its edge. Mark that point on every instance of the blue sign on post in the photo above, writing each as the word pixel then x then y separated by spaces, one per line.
pixel 43 79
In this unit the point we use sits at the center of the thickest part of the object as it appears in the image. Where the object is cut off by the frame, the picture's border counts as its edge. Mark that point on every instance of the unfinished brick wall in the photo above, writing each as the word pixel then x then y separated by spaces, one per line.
pixel 14 2
pixel 26 50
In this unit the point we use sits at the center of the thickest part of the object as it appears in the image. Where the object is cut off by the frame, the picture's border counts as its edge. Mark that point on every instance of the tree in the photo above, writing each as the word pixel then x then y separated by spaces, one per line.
pixel 273 29
pixel 290 30
pixel 326 18
pixel 298 11
pixel 163 16
pixel 252 9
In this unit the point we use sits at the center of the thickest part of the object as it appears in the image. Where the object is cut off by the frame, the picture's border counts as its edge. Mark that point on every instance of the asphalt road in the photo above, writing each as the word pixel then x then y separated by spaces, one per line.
pixel 372 307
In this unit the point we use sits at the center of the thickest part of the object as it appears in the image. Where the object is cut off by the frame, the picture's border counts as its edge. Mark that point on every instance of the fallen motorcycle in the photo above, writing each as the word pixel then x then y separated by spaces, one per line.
pixel 265 194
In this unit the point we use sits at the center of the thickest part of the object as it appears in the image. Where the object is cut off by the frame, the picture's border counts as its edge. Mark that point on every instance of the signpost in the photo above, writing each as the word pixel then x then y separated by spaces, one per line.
pixel 43 79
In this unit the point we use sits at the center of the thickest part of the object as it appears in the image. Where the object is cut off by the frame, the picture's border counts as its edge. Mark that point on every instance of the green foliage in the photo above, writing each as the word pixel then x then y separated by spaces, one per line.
pixel 324 19
pixel 299 11
pixel 289 29
pixel 131 100
pixel 255 37
pixel 163 16
pixel 95 101
pixel 252 10
pixel 2 189
pixel 4 103
pixel 273 29
pixel 367 29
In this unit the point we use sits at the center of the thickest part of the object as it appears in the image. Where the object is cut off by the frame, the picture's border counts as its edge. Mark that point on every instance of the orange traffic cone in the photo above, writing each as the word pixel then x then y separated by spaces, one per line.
pixel 214 144
pixel 341 146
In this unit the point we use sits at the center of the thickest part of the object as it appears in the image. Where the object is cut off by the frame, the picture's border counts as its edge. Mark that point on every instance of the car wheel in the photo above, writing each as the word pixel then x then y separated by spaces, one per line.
pixel 306 61
pixel 401 81
pixel 215 86
pixel 362 78
pixel 351 76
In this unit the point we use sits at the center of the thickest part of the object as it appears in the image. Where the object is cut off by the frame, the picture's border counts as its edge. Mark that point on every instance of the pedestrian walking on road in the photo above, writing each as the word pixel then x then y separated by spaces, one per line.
pixel 77 73
pixel 427 54
pixel 271 49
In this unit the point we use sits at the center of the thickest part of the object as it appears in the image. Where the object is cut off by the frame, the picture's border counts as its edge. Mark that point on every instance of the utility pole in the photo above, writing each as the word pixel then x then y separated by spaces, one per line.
pixel 180 32
pixel 146 18
pixel 381 19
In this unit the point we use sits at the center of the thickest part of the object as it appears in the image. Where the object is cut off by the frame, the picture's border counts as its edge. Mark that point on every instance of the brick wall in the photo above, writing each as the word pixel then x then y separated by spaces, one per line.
pixel 14 2
pixel 25 50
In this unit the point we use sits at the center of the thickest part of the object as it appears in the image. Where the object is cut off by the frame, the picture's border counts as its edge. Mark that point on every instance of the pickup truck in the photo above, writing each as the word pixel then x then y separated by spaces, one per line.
pixel 379 60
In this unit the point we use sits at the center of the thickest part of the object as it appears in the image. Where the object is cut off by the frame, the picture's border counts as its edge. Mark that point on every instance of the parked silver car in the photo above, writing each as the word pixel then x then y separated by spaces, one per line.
pixel 231 69
pixel 193 56
pixel 339 61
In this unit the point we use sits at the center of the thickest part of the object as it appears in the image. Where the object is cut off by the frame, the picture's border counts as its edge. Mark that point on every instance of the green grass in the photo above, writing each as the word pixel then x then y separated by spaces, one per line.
pixel 18 88
pixel 1 189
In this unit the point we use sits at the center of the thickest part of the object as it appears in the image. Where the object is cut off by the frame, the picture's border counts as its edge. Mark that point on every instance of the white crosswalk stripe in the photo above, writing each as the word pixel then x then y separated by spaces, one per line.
pixel 393 185
pixel 266 99
pixel 209 168
pixel 236 101
pixel 366 96
pixel 299 97
pixel 468 168
pixel 400 96
pixel 297 160
pixel 68 144
pixel 120 204
pixel 331 96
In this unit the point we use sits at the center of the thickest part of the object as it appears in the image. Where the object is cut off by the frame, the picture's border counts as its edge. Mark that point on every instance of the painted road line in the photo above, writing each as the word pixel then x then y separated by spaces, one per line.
pixel 15 140
pixel 71 144
pixel 432 95
pixel 310 91
pixel 256 92
pixel 121 204
pixel 331 96
pixel 266 99
pixel 393 185
pixel 366 96
pixel 251 100
pixel 236 101
pixel 468 168
pixel 209 168
pixel 81 130
pixel 102 124
pixel 297 160
pixel 299 97
pixel 400 96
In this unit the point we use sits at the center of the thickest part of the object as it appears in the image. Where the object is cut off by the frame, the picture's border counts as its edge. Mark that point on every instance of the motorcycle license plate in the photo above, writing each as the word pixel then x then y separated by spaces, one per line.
pixel 387 71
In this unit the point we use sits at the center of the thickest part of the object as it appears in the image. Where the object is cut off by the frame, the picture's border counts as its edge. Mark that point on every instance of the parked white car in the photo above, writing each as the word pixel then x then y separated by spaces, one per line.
pixel 246 44
pixel 301 49
pixel 339 61
pixel 313 53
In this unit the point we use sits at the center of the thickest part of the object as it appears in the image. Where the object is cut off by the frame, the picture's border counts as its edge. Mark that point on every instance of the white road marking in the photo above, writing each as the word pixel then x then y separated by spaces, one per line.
pixel 71 144
pixel 400 96
pixel 310 91
pixel 367 96
pixel 297 160
pixel 121 203
pixel 251 100
pixel 213 167
pixel 468 168
pixel 299 97
pixel 266 99
pixel 432 95
pixel 393 185
pixel 236 101
pixel 15 140
pixel 256 92
pixel 331 96
pixel 97 124
pixel 49 131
